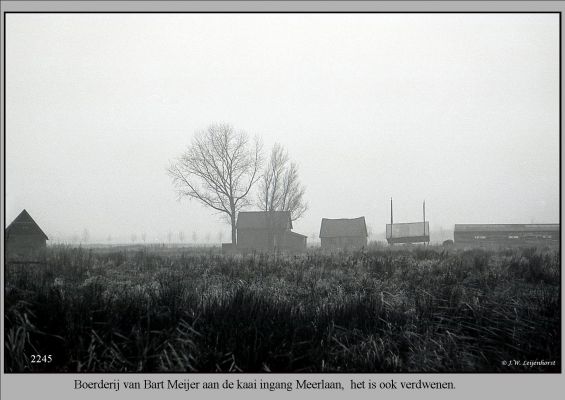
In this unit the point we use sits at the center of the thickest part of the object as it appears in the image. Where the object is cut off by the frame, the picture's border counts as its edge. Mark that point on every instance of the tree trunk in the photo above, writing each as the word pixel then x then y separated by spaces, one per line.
pixel 233 230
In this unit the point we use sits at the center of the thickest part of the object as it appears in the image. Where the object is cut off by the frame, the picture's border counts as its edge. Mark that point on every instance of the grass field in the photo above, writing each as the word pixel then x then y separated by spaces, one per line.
pixel 419 310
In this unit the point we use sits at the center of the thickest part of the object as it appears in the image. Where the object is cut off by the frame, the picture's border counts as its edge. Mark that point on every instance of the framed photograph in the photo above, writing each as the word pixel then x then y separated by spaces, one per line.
pixel 281 198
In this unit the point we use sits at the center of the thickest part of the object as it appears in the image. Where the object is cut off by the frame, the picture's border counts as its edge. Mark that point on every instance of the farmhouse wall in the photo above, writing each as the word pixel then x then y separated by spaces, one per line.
pixel 22 246
pixel 493 236
pixel 294 242
pixel 259 239
pixel 350 242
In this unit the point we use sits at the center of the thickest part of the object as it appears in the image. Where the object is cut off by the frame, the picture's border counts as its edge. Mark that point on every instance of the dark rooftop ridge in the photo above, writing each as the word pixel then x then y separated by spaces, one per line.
pixel 264 220
pixel 343 227
pixel 24 224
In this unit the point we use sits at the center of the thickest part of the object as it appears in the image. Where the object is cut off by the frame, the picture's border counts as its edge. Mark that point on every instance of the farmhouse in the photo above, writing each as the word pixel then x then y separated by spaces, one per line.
pixel 343 233
pixel 506 235
pixel 24 238
pixel 266 231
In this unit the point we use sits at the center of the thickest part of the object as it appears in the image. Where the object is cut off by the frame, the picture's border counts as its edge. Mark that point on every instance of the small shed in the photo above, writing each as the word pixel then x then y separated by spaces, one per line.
pixel 267 230
pixel 24 238
pixel 295 241
pixel 343 233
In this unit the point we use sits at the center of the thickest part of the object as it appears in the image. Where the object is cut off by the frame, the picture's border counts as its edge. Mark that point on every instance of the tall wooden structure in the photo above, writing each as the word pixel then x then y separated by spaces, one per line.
pixel 408 232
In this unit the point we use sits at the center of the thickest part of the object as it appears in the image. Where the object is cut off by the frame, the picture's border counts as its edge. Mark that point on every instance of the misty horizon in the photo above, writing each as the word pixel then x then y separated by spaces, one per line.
pixel 459 110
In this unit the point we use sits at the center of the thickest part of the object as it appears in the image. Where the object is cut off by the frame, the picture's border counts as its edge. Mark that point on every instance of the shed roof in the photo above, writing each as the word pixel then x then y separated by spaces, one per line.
pixel 506 227
pixel 343 227
pixel 295 234
pixel 264 220
pixel 25 225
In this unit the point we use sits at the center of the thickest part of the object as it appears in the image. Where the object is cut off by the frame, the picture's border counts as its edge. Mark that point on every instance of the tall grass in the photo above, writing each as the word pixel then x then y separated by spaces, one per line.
pixel 377 311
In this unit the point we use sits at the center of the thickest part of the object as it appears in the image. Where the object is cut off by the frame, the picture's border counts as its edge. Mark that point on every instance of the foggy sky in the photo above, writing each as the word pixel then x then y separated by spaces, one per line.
pixel 461 110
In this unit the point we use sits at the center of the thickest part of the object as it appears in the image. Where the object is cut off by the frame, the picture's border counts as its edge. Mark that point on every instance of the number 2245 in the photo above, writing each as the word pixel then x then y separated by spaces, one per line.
pixel 38 358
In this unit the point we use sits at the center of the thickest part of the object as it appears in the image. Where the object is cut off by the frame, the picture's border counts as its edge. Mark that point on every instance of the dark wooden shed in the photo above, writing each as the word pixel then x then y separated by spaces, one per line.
pixel 267 230
pixel 24 238
pixel 343 233
pixel 295 241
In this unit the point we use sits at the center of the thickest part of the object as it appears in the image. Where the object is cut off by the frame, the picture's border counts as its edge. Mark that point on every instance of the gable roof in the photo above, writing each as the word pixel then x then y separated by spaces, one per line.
pixel 297 235
pixel 264 220
pixel 343 227
pixel 25 225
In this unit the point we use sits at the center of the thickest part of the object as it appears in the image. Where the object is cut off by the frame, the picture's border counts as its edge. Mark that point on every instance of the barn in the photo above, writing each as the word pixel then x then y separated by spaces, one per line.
pixel 24 238
pixel 343 233
pixel 267 231
pixel 506 235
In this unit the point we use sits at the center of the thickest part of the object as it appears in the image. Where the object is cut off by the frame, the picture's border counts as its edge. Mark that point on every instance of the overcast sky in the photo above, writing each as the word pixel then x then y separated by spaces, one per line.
pixel 461 110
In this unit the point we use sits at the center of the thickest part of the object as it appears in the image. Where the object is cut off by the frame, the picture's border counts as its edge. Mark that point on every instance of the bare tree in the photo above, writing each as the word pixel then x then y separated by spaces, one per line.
pixel 279 187
pixel 218 169
pixel 181 236
pixel 144 237
pixel 194 237
pixel 133 238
